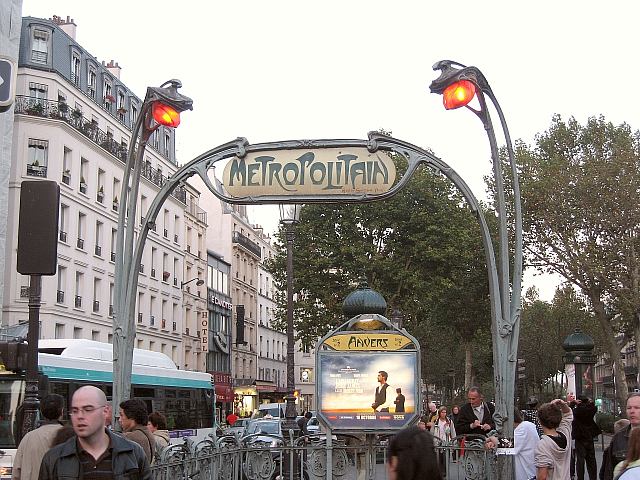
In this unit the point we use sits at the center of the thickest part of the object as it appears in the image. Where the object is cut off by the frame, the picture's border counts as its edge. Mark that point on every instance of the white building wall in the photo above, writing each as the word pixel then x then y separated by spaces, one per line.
pixel 87 272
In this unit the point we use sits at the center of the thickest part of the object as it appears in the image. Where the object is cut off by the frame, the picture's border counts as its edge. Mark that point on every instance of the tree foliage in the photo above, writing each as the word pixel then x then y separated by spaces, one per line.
pixel 421 250
pixel 580 186
pixel 543 329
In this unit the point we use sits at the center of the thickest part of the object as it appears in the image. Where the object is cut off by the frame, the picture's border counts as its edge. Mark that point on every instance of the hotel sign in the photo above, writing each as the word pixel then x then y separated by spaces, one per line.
pixel 318 171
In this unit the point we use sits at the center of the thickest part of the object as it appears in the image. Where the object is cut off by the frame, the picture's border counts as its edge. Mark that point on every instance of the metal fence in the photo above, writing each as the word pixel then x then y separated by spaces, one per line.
pixel 340 457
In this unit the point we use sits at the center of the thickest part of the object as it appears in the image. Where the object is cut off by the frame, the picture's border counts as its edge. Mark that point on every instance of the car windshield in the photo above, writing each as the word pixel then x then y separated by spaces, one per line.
pixel 270 428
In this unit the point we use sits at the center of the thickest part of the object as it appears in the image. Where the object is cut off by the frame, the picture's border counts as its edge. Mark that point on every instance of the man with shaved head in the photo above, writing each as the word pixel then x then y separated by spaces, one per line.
pixel 94 452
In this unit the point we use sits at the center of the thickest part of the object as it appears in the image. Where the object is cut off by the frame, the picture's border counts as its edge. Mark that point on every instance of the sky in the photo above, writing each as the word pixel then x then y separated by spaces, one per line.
pixel 280 70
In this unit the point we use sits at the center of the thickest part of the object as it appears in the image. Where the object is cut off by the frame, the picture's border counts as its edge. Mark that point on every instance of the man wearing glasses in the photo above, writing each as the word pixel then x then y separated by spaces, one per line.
pixel 95 452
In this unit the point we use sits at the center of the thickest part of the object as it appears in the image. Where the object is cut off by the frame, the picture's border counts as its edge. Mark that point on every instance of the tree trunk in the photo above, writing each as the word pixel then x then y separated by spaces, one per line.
pixel 614 350
pixel 467 366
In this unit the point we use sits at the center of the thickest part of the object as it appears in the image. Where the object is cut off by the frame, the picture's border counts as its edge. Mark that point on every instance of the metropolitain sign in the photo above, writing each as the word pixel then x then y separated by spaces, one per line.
pixel 318 171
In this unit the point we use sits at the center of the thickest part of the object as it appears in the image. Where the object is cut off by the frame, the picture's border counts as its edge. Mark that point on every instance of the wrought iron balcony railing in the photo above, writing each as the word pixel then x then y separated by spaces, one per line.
pixel 61 111
pixel 249 245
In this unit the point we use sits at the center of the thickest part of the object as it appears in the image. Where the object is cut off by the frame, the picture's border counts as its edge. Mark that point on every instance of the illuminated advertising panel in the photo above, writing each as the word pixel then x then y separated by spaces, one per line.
pixel 370 391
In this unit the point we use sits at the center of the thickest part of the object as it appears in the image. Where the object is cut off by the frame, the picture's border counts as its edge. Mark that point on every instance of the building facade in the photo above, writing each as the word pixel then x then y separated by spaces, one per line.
pixel 220 308
pixel 272 344
pixel 73 121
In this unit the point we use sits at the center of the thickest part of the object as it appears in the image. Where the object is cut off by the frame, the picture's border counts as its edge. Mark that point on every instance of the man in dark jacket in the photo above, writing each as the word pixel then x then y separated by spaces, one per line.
pixel 616 452
pixel 94 450
pixel 584 429
pixel 476 416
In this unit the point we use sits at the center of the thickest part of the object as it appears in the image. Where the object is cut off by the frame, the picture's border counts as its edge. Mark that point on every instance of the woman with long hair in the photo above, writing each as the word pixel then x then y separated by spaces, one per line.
pixel 412 456
pixel 633 457
pixel 444 430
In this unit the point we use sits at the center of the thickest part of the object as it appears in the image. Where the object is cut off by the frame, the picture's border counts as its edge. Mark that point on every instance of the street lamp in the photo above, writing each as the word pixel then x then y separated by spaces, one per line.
pixel 459 84
pixel 162 106
pixel 289 217
pixel 199 282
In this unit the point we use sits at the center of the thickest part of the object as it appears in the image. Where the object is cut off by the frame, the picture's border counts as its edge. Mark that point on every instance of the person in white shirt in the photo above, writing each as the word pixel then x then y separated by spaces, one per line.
pixel 525 440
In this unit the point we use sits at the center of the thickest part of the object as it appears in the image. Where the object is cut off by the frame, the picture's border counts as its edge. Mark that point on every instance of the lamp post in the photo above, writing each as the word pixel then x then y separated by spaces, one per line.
pixel 458 84
pixel 199 282
pixel 289 217
pixel 162 106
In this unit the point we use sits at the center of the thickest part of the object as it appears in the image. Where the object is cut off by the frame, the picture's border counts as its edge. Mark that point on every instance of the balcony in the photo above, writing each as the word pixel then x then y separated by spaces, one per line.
pixel 78 302
pixel 98 250
pixel 152 320
pixel 153 273
pixel 36 170
pixel 111 310
pixel 186 331
pixel 142 268
pixel 175 326
pixel 96 306
pixel 249 245
pixel 113 256
pixel 175 281
pixel 140 318
pixel 27 105
pixel 66 177
pixel 83 188
pixel 60 296
pixel 80 244
pixel 166 233
pixel 63 236
pixel 175 238
pixel 24 292
pixel 163 324
pixel 197 212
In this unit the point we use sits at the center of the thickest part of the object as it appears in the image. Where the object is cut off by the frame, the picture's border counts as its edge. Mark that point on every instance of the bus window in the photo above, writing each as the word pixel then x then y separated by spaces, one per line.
pixel 11 396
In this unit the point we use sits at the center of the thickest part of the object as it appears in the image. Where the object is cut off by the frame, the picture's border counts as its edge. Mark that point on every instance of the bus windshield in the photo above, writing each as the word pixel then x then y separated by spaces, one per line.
pixel 11 396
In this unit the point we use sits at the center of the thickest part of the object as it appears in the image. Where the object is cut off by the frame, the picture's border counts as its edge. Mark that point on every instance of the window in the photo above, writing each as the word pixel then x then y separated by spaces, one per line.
pixel 108 96
pixel 91 82
pixel 167 143
pixel 122 110
pixel 38 91
pixel 134 114
pixel 75 69
pixel 64 218
pixel 81 230
pixel 77 332
pixel 37 162
pixel 59 330
pixel 95 335
pixel 40 46
pixel 62 275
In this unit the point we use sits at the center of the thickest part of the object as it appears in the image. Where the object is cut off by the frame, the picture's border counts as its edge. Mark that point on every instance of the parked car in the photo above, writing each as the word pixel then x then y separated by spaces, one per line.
pixel 273 410
pixel 263 431
pixel 238 427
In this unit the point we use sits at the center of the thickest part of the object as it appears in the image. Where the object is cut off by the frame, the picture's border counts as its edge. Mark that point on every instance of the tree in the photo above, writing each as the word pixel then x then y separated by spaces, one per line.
pixel 543 353
pixel 421 250
pixel 580 186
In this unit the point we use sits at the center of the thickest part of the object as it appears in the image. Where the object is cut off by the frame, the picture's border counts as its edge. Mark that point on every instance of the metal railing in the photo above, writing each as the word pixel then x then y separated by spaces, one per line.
pixel 61 111
pixel 265 457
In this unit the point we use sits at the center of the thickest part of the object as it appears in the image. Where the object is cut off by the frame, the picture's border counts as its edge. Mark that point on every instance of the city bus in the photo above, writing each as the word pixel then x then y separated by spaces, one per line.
pixel 186 398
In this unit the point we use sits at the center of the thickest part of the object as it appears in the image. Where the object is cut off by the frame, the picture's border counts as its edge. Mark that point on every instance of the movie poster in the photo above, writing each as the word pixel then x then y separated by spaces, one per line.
pixel 368 391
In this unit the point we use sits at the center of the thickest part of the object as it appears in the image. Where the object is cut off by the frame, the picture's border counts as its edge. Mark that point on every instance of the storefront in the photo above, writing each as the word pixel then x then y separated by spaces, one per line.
pixel 224 395
pixel 245 399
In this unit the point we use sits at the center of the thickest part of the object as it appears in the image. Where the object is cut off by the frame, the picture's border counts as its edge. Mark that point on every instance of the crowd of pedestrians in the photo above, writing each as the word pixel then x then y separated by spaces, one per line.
pixel 88 448
pixel 552 441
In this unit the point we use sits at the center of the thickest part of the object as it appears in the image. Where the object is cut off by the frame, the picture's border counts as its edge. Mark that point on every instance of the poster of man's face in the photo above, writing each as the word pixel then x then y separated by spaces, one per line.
pixel 367 390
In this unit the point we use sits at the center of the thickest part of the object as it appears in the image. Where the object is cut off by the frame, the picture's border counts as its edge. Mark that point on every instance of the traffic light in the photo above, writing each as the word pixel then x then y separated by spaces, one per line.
pixel 165 115
pixel 458 94
pixel 521 369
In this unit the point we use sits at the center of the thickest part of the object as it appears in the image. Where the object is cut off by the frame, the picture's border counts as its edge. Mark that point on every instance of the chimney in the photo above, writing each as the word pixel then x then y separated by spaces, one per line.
pixel 68 26
pixel 114 69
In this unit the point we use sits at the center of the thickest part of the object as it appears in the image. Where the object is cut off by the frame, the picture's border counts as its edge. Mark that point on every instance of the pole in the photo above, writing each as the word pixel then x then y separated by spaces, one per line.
pixel 31 402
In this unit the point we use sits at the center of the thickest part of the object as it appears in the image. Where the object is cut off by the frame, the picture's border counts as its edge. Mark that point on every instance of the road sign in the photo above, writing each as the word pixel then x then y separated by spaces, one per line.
pixel 8 72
